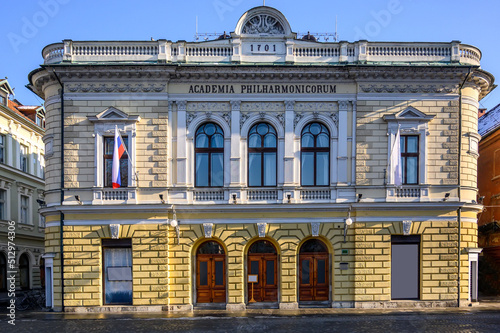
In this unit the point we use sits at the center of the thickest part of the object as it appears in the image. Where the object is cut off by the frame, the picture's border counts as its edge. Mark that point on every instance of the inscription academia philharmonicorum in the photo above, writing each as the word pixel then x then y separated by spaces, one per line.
pixel 263 89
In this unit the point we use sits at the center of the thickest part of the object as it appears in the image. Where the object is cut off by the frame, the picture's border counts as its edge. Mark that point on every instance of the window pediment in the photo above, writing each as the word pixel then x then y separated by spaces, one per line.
pixel 112 114
pixel 409 114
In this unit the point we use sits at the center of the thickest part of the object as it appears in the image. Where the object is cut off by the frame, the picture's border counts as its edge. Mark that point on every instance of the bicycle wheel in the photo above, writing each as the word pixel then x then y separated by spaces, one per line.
pixel 22 303
pixel 41 302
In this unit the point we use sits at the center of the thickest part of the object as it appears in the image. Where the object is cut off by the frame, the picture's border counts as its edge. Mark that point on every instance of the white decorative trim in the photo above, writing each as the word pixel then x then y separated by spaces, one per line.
pixel 407 227
pixel 262 229
pixel 115 231
pixel 315 228
pixel 207 229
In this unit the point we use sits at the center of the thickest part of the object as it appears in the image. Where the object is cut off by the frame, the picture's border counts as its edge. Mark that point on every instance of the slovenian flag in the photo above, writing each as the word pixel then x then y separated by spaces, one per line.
pixel 118 151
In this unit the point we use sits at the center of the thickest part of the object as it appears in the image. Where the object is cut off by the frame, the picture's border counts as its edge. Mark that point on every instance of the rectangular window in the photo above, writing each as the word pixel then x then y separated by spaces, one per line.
pixel 3 194
pixel 24 208
pixel 23 155
pixel 409 159
pixel 109 143
pixel 3 100
pixel 2 148
pixel 117 257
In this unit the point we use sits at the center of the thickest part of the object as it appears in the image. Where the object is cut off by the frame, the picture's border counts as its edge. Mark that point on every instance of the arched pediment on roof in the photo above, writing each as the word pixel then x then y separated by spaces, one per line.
pixel 263 21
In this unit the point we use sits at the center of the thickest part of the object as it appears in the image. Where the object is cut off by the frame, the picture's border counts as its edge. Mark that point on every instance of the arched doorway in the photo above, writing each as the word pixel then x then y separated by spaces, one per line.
pixel 263 262
pixel 313 271
pixel 3 272
pixel 24 271
pixel 210 273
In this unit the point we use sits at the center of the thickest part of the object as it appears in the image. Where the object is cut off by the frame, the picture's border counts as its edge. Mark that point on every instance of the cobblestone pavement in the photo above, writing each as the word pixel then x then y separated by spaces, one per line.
pixel 317 320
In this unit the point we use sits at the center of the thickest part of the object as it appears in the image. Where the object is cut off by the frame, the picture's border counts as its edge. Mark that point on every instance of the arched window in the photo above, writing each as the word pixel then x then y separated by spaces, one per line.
pixel 315 155
pixel 262 155
pixel 209 156
pixel 24 271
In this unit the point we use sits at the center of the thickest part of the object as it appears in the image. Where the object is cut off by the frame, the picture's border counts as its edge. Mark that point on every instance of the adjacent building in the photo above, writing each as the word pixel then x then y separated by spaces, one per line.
pixel 22 229
pixel 489 194
pixel 260 170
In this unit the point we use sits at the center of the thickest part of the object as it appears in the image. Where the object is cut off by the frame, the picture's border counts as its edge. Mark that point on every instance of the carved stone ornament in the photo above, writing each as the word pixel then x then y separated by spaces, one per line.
pixel 289 105
pixel 262 229
pixel 243 118
pixel 207 229
pixel 115 231
pixel 372 88
pixel 297 118
pixel 235 105
pixel 181 105
pixel 116 88
pixel 281 118
pixel 407 227
pixel 315 228
pixel 343 105
pixel 263 24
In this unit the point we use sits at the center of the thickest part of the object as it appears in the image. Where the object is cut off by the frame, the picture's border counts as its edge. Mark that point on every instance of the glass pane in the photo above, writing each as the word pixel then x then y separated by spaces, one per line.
pixel 124 172
pixel 270 141
pixel 315 128
pixel 321 271
pixel 307 140
pixel 262 129
pixel 322 168
pixel 412 169
pixel 313 246
pixel 254 141
pixel 269 272
pixel 202 141
pixel 254 267
pixel 201 169
pixel 219 273
pixel 210 248
pixel 210 129
pixel 323 140
pixel 403 144
pixel 403 168
pixel 254 169
pixel 269 169
pixel 262 247
pixel 217 141
pixel 412 144
pixel 217 169
pixel 203 273
pixel 307 169
pixel 305 272
pixel 116 290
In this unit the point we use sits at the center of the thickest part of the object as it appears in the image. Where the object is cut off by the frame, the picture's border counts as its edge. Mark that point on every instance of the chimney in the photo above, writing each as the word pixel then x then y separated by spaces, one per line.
pixel 481 112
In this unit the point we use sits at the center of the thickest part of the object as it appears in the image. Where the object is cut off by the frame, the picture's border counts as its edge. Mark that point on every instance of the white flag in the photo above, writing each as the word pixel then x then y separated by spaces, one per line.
pixel 396 170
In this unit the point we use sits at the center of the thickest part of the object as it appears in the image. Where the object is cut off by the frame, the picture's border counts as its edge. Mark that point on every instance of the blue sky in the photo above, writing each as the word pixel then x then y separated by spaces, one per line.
pixel 29 25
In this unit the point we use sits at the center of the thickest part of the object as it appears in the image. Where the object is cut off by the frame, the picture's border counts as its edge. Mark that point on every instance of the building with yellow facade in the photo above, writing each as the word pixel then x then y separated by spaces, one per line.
pixel 258 171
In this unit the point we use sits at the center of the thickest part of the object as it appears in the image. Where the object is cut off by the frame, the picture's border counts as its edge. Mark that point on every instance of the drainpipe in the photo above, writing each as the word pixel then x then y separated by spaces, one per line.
pixel 459 210
pixel 61 214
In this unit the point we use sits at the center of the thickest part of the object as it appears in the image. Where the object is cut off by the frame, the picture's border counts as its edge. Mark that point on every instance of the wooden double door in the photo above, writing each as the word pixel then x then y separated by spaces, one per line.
pixel 211 273
pixel 265 266
pixel 314 274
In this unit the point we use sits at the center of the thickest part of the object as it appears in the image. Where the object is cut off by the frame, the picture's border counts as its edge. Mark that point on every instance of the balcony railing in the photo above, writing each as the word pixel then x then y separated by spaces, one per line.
pixel 222 51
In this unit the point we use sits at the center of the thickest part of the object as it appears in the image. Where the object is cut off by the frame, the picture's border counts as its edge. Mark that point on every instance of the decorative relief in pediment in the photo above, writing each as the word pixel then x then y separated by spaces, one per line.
pixel 263 24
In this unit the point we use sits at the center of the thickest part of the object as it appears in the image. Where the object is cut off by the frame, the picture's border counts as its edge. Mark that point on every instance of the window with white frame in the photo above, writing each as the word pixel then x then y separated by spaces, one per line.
pixel 209 156
pixel 262 155
pixel 412 126
pixel 24 209
pixel 315 155
pixel 2 148
pixel 23 156
pixel 5 186
pixel 104 130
